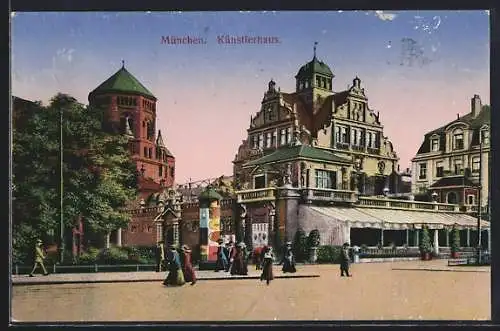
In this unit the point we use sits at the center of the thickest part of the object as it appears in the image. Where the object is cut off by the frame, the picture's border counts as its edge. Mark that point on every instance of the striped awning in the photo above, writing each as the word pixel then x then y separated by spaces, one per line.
pixel 394 219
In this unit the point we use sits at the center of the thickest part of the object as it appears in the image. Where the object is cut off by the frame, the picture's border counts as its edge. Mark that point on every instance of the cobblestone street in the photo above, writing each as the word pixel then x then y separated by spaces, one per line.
pixel 377 291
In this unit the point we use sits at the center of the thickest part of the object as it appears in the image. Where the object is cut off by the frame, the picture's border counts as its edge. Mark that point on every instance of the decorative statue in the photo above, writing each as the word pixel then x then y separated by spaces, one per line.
pixel 287 179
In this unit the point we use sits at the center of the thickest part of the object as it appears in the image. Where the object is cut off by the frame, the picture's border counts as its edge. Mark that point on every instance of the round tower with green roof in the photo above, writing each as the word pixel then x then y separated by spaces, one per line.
pixel 314 80
pixel 130 108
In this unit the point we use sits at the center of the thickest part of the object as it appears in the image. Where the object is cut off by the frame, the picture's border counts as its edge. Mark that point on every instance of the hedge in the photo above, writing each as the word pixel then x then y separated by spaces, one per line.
pixel 329 254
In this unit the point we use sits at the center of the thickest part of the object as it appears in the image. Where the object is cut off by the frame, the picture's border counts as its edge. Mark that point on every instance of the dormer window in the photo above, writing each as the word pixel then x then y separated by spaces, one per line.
pixel 458 139
pixel 434 144
pixel 484 138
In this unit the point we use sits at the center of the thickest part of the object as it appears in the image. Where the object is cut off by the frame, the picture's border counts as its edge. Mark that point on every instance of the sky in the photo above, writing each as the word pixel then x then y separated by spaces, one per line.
pixel 207 92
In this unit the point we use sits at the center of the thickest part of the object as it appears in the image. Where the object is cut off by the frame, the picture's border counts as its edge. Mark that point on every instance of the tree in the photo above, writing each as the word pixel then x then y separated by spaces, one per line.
pixel 98 175
pixel 425 242
pixel 313 239
pixel 455 240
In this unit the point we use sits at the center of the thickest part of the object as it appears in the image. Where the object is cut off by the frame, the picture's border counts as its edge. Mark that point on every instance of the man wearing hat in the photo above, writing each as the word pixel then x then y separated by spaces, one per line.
pixel 187 266
pixel 39 257
pixel 344 261
pixel 222 262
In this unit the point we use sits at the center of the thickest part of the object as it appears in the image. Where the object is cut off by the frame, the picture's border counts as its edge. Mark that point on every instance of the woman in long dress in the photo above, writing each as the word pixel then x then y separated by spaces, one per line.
pixel 175 276
pixel 237 264
pixel 245 255
pixel 267 265
pixel 187 266
pixel 222 263
pixel 288 259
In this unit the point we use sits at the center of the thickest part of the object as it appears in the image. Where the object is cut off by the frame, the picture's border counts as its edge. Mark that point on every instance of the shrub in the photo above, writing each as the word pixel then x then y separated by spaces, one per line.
pixel 113 255
pixel 455 240
pixel 90 256
pixel 329 254
pixel 299 245
pixel 425 241
pixel 313 238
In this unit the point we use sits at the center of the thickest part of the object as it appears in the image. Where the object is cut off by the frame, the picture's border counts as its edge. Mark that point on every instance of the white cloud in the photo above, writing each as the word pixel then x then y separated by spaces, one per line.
pixel 64 54
pixel 13 14
pixel 385 16
pixel 487 12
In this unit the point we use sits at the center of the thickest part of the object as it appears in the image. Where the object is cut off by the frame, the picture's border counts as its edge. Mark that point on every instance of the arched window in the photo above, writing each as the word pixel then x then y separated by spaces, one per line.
pixel 458 139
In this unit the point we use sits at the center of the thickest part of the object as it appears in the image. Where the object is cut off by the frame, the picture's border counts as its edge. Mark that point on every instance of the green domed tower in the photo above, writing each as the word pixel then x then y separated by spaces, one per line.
pixel 130 108
pixel 314 80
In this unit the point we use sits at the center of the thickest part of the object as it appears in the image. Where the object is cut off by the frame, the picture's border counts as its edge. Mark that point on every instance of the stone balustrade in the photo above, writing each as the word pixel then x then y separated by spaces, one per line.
pixel 328 195
pixel 407 204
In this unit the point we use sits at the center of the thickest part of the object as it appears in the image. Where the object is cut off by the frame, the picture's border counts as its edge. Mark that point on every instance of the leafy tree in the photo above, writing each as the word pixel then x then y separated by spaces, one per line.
pixel 425 242
pixel 313 239
pixel 98 175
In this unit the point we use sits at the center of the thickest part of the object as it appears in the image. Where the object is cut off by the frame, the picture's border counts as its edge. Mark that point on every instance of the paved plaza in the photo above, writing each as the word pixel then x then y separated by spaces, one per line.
pixel 416 290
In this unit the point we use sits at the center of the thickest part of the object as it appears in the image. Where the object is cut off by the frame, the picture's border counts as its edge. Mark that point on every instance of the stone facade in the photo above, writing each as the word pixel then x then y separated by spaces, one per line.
pixel 450 159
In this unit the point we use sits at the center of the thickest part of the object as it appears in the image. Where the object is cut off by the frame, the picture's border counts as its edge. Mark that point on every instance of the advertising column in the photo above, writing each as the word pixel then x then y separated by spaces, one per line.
pixel 209 224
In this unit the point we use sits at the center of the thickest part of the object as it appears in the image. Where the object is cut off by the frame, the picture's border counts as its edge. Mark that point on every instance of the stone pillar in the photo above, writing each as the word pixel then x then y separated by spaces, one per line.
pixel 468 238
pixel 119 237
pixel 436 241
pixel 407 237
pixel 447 238
pixel 382 237
pixel 289 200
pixel 108 236
pixel 415 238
pixel 347 233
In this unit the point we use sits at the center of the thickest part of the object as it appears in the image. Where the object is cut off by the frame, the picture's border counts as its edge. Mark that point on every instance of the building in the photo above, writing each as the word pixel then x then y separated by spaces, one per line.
pixel 336 126
pixel 453 161
pixel 130 108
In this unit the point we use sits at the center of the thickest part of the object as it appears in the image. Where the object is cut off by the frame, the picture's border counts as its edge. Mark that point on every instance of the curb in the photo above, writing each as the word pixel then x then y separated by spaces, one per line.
pixel 447 270
pixel 104 281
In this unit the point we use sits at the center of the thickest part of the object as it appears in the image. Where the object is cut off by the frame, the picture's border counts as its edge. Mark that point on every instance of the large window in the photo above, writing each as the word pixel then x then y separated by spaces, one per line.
pixel 255 141
pixel 274 139
pixel 439 169
pixel 476 163
pixel 282 137
pixel 259 181
pixel 326 179
pixel 356 137
pixel 288 135
pixel 422 172
pixel 371 139
pixel 458 139
pixel 435 144
pixel 458 166
pixel 261 141
pixel 341 134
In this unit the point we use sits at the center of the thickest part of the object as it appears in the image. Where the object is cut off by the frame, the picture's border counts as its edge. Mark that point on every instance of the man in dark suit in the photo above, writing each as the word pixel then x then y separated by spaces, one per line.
pixel 344 261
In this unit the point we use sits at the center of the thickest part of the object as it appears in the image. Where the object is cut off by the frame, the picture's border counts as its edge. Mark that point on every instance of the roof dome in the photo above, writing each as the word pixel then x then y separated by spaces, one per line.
pixel 123 82
pixel 314 66
pixel 209 194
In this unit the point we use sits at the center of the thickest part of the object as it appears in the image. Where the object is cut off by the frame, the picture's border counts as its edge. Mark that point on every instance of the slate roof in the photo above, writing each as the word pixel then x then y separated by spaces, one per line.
pixel 314 66
pixel 287 153
pixel 453 181
pixel 123 82
pixel 484 117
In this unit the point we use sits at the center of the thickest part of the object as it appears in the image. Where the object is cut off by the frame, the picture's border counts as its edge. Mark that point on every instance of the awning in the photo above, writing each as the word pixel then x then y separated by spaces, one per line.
pixel 394 219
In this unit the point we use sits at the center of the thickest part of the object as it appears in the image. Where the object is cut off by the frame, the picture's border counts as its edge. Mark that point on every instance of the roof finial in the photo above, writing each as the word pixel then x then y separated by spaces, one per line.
pixel 315 44
pixel 123 63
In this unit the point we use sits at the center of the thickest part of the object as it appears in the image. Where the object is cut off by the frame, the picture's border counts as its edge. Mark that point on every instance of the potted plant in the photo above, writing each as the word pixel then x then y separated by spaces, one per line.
pixel 312 244
pixel 425 244
pixel 455 242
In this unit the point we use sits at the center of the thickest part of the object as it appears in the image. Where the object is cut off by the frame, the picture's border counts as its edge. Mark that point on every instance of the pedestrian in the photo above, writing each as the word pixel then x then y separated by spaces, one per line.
pixel 267 265
pixel 246 256
pixel 222 262
pixel 175 275
pixel 231 249
pixel 238 265
pixel 39 257
pixel 187 266
pixel 160 256
pixel 257 258
pixel 288 259
pixel 344 261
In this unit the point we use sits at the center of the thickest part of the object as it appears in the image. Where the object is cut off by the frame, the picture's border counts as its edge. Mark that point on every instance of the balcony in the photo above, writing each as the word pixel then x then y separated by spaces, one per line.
pixel 374 151
pixel 405 204
pixel 261 194
pixel 344 146
pixel 328 195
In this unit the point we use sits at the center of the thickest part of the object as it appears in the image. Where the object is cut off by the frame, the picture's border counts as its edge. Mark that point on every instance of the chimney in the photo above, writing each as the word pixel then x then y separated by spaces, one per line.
pixel 475 105
pixel 458 116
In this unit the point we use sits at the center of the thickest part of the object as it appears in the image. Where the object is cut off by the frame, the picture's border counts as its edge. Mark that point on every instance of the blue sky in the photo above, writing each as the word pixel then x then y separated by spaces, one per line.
pixel 200 85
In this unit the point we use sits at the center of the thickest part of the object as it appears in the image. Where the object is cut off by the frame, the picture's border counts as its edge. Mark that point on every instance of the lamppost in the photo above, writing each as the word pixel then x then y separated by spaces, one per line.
pixel 434 196
pixel 62 244
pixel 479 189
